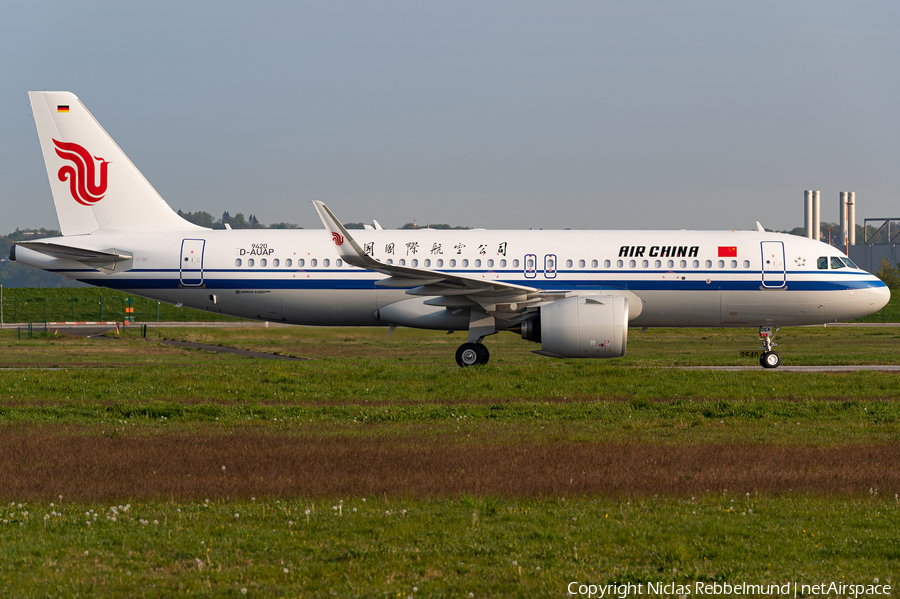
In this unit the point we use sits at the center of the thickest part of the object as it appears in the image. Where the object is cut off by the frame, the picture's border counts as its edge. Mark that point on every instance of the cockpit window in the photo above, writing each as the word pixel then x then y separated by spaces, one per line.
pixel 837 263
pixel 850 263
pixel 822 263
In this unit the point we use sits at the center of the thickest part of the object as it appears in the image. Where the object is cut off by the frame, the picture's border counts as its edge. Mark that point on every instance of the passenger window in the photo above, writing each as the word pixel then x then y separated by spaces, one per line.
pixel 415 262
pixel 837 263
pixel 390 261
pixel 337 263
pixel 734 264
pixel 287 262
pixel 746 264
pixel 631 263
pixel 313 263
pixel 301 262
pixel 237 262
pixel 465 263
pixel 262 262
pixel 325 262
pixel 696 264
pixel 275 262
pixel 250 262
pixel 427 263
pixel 721 264
pixel 645 263
pixel 581 264
pixel 619 264
pixel 568 264
pixel 709 264
pixel 822 263
pixel 684 264
pixel 503 264
pixel 671 264
pixel 440 262
pixel 594 263
pixel 657 264
pixel 530 263
pixel 478 262
pixel 452 262
pixel 402 261
pixel 490 263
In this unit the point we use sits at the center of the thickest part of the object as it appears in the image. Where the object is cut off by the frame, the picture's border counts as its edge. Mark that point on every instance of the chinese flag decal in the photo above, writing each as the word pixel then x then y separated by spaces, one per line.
pixel 727 251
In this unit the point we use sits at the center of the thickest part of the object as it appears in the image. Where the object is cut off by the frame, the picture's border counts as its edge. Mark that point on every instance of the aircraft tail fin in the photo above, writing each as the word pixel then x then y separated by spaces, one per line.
pixel 95 186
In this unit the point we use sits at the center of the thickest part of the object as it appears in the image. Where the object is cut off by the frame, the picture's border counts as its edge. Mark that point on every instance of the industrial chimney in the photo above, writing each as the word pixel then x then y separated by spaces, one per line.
pixel 808 213
pixel 847 215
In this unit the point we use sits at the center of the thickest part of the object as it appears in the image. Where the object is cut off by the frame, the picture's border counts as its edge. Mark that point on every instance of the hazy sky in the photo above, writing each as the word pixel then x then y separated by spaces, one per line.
pixel 489 114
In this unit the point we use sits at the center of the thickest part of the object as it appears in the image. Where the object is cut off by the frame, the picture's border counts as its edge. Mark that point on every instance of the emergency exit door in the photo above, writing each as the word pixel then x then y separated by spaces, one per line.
pixel 191 266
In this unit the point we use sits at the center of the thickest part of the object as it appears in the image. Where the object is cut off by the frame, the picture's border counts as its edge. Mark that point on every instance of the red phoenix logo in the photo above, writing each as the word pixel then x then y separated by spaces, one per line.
pixel 338 239
pixel 83 176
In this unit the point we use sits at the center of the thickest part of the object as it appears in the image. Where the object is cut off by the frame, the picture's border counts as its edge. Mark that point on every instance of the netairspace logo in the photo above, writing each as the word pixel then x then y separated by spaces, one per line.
pixel 787 589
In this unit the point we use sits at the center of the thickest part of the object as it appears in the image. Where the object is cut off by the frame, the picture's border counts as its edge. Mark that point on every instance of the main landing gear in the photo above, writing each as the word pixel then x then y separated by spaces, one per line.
pixel 472 354
pixel 769 359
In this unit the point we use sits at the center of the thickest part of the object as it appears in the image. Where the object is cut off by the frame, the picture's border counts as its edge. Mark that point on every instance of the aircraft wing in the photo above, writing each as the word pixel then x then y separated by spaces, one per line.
pixel 481 289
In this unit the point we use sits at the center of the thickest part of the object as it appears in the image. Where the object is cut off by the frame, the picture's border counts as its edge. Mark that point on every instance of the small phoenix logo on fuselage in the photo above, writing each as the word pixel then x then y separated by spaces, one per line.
pixel 82 177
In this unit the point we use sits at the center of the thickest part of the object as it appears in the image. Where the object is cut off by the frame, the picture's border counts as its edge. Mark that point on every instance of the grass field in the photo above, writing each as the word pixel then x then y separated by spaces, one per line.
pixel 422 479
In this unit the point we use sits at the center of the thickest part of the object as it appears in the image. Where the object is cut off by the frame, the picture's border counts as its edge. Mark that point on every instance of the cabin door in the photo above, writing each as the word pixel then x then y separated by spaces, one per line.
pixel 191 266
pixel 773 275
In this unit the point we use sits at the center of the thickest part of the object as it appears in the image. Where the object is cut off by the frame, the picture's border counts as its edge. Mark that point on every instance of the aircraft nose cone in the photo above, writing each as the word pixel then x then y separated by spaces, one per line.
pixel 879 297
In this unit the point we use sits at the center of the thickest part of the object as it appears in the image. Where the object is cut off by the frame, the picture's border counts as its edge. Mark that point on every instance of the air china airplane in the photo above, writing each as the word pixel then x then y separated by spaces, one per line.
pixel 574 292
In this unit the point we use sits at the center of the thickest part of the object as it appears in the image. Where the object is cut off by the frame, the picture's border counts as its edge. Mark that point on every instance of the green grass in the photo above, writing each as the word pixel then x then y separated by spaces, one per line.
pixel 361 385
pixel 386 546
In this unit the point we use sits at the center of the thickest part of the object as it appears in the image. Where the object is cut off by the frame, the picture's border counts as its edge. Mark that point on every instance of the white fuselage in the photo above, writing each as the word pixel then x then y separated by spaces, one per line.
pixel 678 278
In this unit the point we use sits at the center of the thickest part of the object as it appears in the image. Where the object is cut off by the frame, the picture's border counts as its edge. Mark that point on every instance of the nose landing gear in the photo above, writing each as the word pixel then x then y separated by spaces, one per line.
pixel 769 359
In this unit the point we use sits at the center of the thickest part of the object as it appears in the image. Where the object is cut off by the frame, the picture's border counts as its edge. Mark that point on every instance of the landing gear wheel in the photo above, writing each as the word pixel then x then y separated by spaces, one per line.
pixel 472 354
pixel 483 354
pixel 770 359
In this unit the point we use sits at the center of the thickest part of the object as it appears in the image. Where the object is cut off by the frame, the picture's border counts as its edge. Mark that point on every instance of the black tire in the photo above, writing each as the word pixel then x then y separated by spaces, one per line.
pixel 483 354
pixel 468 354
pixel 770 359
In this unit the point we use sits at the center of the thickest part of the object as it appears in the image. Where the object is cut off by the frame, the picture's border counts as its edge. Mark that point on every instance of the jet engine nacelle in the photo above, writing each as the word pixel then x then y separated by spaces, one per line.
pixel 585 327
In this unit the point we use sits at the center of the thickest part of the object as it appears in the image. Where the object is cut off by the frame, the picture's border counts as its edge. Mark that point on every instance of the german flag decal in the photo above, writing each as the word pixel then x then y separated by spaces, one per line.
pixel 727 251
pixel 62 108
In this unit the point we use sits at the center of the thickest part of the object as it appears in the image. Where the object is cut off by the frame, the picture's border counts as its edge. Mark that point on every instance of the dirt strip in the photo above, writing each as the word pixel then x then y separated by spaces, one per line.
pixel 228 350
pixel 43 464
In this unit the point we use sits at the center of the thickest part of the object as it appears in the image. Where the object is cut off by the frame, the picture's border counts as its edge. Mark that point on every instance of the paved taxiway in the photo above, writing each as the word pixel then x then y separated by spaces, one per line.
pixel 834 368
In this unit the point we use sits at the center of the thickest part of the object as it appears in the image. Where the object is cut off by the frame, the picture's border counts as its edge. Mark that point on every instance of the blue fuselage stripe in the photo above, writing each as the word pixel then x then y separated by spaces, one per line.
pixel 208 282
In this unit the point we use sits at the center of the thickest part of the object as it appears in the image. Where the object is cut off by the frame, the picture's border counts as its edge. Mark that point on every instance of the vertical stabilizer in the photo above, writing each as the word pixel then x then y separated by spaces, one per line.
pixel 94 184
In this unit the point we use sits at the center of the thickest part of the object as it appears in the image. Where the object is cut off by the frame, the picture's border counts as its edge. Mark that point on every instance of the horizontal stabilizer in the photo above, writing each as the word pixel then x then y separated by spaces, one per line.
pixel 109 260
pixel 66 252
